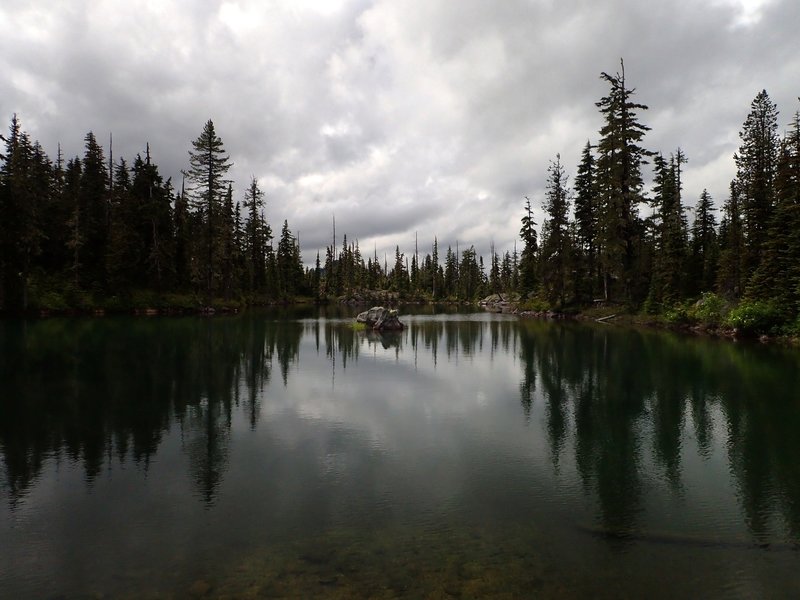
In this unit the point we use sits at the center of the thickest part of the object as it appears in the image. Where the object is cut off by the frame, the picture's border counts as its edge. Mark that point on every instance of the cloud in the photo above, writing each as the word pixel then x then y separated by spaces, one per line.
pixel 402 118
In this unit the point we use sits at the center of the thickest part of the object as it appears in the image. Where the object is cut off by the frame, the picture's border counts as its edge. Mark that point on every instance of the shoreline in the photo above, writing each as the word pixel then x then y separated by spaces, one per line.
pixel 652 322
pixel 219 307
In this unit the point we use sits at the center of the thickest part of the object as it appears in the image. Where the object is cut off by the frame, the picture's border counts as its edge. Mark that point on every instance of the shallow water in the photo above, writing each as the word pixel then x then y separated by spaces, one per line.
pixel 283 454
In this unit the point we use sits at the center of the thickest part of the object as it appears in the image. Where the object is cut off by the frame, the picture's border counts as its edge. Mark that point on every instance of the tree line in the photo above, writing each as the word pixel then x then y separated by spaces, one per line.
pixel 605 249
pixel 90 228
pixel 96 228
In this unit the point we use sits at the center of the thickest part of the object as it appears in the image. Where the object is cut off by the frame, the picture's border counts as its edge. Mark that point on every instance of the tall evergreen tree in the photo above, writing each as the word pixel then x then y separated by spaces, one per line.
pixel 620 157
pixel 556 242
pixel 450 280
pixel 24 179
pixel 124 257
pixel 153 196
pixel 289 267
pixel 586 215
pixel 436 276
pixel 469 275
pixel 527 262
pixel 756 163
pixel 182 235
pixel 705 246
pixel 777 276
pixel 399 275
pixel 208 165
pixel 257 236
pixel 730 273
pixel 75 237
pixel 668 279
pixel 494 270
pixel 95 214
pixel 230 250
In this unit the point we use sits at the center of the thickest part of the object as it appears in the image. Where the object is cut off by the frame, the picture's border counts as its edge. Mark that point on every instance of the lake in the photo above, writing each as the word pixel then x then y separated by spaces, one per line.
pixel 283 454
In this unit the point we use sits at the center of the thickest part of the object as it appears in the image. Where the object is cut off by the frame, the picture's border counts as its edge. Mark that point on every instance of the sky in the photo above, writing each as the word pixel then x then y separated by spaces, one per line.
pixel 403 119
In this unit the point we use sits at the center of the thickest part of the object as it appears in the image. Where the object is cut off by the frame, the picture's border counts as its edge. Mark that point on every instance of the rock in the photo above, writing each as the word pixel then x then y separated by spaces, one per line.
pixel 379 318
pixel 491 299
pixel 505 302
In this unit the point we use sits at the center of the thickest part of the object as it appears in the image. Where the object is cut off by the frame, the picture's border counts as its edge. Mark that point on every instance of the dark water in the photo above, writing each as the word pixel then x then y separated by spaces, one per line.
pixel 283 454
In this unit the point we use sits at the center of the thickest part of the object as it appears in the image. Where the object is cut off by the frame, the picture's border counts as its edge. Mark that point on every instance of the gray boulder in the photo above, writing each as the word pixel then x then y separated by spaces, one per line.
pixel 379 318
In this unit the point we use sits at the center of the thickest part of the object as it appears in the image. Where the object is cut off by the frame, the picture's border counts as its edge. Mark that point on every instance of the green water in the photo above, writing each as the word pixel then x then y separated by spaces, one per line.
pixel 282 454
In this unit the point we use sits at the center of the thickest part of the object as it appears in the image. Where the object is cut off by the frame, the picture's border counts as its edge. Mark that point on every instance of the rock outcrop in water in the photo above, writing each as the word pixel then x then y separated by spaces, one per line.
pixel 501 302
pixel 379 318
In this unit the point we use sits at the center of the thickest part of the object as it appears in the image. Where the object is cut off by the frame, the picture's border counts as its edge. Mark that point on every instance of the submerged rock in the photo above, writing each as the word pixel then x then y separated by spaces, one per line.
pixel 379 318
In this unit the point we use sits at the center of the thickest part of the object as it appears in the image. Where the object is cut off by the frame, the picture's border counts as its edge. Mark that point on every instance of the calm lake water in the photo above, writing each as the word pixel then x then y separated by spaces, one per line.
pixel 282 454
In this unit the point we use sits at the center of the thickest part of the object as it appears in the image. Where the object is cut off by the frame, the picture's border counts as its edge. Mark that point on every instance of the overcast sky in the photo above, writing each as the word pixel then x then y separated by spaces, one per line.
pixel 397 116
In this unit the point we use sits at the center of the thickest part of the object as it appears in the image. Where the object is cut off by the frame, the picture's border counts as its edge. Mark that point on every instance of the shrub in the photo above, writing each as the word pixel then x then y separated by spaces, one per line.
pixel 677 315
pixel 711 309
pixel 535 304
pixel 755 317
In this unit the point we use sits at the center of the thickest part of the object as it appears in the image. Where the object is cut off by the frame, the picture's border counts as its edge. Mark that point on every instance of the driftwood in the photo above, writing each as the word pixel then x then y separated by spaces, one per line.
pixel 604 319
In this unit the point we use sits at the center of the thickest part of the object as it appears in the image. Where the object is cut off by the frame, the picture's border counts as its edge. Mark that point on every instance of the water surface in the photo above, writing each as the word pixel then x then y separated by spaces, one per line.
pixel 283 454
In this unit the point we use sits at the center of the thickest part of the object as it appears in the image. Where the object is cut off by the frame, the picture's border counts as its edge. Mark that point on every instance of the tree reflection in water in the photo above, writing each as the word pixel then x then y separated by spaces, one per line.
pixel 620 404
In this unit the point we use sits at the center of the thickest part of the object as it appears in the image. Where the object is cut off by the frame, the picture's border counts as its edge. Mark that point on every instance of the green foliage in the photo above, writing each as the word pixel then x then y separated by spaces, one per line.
pixel 711 309
pixel 535 304
pixel 756 317
pixel 677 315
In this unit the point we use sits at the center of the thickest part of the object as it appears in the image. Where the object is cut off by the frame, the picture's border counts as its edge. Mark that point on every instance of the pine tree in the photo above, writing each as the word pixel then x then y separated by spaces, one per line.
pixel 494 270
pixel 54 218
pixel 450 280
pixel 124 258
pixel 20 205
pixel 289 267
pixel 730 274
pixel 208 164
pixel 556 246
pixel 257 236
pixel 437 281
pixel 667 282
pixel 527 262
pixel 152 220
pixel 399 275
pixel 756 162
pixel 71 199
pixel 182 236
pixel 778 274
pixel 317 277
pixel 95 213
pixel 469 275
pixel 619 185
pixel 705 246
pixel 586 214
pixel 230 251
pixel 506 273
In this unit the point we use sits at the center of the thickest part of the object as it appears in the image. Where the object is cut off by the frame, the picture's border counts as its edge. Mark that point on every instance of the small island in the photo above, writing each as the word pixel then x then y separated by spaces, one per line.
pixel 379 318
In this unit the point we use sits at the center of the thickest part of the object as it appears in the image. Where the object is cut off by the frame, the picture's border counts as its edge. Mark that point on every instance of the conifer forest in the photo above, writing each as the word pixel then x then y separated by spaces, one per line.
pixel 100 231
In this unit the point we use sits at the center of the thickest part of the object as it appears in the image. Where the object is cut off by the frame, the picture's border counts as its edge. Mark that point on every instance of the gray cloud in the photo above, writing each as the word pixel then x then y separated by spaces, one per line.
pixel 397 116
